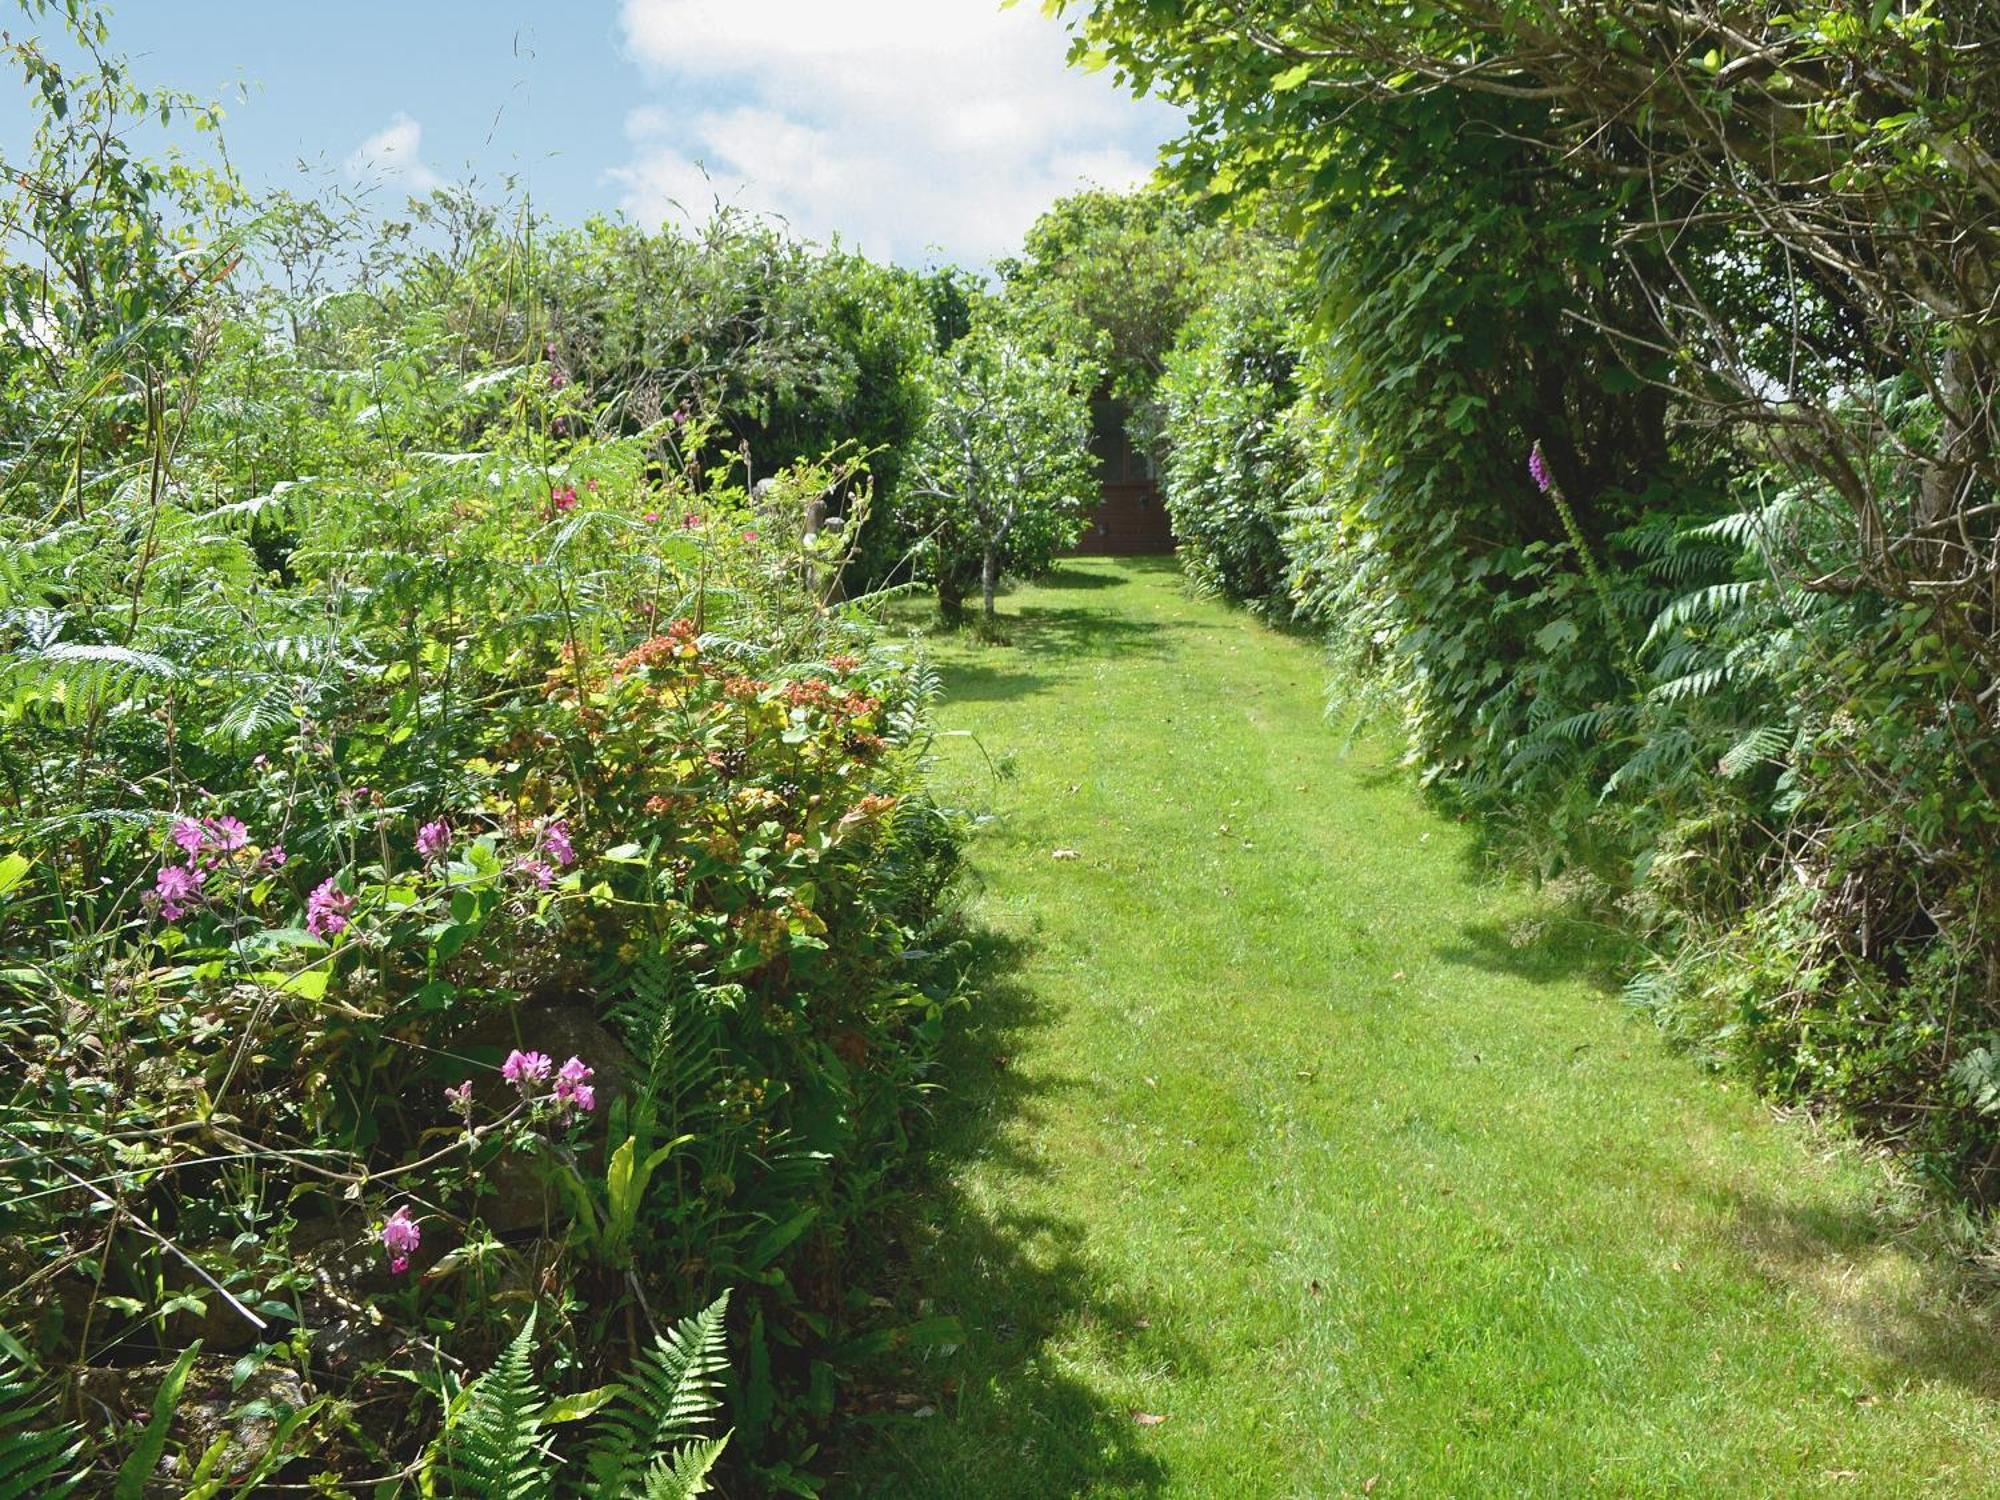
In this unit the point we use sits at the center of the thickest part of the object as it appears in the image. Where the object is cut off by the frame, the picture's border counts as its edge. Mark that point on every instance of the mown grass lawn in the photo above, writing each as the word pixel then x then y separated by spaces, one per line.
pixel 1288 1156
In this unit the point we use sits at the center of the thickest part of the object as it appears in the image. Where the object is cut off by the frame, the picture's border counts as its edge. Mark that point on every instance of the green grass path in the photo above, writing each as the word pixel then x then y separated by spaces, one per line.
pixel 1282 1124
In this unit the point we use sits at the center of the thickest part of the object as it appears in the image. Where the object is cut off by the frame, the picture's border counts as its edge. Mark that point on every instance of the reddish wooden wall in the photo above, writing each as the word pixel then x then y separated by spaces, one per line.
pixel 1131 522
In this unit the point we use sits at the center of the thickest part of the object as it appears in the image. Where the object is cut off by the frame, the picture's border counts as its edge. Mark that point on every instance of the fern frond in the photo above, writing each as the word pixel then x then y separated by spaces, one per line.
pixel 493 1448
pixel 669 1394
pixel 1704 604
pixel 1761 745
pixel 685 1474
pixel 37 1461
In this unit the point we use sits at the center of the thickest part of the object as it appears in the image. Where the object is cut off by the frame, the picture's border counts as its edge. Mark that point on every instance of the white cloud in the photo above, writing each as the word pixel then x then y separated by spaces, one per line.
pixel 394 155
pixel 899 124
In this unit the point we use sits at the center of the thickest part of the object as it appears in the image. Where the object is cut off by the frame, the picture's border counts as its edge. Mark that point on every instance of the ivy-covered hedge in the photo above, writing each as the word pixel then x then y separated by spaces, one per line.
pixel 1676 560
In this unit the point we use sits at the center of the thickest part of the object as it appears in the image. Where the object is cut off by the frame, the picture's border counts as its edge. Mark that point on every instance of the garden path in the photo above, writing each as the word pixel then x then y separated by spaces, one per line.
pixel 1288 1155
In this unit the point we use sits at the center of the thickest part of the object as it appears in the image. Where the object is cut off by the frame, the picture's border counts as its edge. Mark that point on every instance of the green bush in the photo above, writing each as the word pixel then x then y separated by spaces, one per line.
pixel 1233 466
pixel 468 898
pixel 1678 563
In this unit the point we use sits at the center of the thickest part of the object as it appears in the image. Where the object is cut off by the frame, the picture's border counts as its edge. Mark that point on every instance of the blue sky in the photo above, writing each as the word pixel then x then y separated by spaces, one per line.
pixel 916 129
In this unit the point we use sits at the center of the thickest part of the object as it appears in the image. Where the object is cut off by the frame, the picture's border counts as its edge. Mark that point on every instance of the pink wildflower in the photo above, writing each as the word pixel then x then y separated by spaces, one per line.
pixel 749 536
pixel 537 871
pixel 178 888
pixel 526 1069
pixel 190 835
pixel 226 834
pixel 460 1098
pixel 564 498
pixel 327 910
pixel 400 1236
pixel 275 856
pixel 433 839
pixel 652 516
pixel 573 1089
pixel 555 842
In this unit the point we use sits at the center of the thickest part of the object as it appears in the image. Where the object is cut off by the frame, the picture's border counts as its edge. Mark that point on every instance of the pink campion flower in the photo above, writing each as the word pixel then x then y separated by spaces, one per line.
pixel 275 856
pixel 1538 468
pixel 460 1098
pixel 651 516
pixel 178 888
pixel 690 522
pixel 526 1069
pixel 555 842
pixel 190 835
pixel 564 498
pixel 226 834
pixel 327 910
pixel 433 839
pixel 537 871
pixel 400 1237
pixel 749 536
pixel 572 1087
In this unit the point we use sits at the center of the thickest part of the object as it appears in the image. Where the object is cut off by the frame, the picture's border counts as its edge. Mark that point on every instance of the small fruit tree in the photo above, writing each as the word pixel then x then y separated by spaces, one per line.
pixel 1003 476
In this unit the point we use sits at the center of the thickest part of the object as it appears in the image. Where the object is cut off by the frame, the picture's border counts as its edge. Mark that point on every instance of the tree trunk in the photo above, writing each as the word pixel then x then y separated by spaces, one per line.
pixel 950 595
pixel 989 578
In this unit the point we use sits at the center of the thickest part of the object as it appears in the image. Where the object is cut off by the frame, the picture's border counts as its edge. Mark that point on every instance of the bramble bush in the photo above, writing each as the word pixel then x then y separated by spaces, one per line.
pixel 567 943
pixel 469 903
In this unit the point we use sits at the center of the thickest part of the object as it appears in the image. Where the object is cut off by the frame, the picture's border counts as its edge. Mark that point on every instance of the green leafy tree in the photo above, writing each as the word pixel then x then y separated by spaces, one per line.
pixel 1002 477
pixel 108 260
pixel 1124 272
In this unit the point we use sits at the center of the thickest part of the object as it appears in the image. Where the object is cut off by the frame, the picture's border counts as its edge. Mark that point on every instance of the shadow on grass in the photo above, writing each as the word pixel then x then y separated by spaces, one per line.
pixel 1062 632
pixel 1542 947
pixel 1002 1419
pixel 1075 574
pixel 1904 1301
pixel 1035 644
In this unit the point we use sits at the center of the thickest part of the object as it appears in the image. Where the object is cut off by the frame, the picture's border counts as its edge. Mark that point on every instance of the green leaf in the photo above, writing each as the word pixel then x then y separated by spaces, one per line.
pixel 307 984
pixel 771 1244
pixel 144 1458
pixel 575 1408
pixel 1556 634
